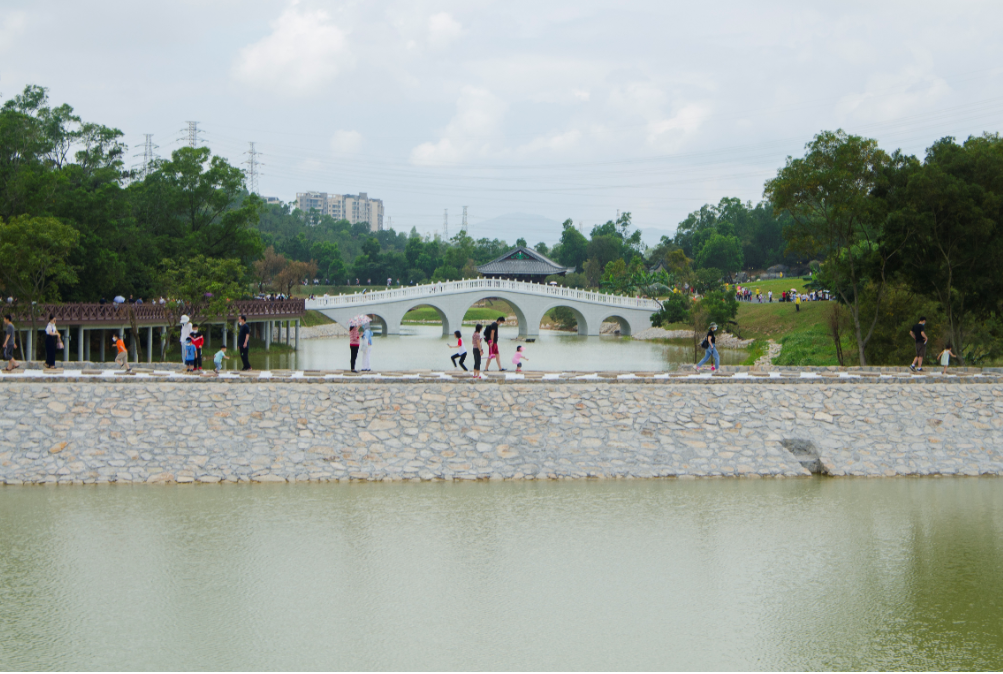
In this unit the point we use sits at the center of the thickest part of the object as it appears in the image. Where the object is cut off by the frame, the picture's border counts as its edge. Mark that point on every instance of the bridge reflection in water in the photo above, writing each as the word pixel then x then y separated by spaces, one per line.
pixel 530 301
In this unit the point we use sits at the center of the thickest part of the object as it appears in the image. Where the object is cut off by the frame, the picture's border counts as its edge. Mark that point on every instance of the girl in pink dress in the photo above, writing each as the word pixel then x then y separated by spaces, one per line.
pixel 518 358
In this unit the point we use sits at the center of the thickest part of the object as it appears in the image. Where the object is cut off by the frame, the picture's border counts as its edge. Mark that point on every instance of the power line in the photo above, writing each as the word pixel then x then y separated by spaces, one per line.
pixel 252 169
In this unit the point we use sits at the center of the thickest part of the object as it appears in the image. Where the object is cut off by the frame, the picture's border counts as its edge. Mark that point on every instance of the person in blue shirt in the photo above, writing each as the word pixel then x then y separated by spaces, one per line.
pixel 218 359
pixel 190 354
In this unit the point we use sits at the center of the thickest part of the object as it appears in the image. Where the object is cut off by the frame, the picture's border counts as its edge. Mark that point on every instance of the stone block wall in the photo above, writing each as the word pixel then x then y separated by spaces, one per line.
pixel 95 432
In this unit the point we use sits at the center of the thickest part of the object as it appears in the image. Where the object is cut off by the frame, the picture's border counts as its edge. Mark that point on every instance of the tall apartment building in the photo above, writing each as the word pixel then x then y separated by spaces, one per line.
pixel 352 207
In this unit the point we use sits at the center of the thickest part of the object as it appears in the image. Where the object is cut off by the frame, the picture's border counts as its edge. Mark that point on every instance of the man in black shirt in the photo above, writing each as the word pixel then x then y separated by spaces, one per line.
pixel 918 333
pixel 491 339
pixel 244 342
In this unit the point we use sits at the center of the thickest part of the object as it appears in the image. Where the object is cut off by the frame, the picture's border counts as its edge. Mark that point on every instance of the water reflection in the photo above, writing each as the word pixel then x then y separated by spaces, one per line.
pixel 424 347
pixel 716 574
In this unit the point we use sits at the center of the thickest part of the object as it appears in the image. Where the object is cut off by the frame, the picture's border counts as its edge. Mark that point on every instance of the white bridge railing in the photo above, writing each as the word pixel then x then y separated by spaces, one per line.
pixel 471 285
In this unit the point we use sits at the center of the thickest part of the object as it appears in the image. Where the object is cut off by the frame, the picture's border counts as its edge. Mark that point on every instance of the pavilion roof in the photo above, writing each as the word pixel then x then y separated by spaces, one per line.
pixel 522 260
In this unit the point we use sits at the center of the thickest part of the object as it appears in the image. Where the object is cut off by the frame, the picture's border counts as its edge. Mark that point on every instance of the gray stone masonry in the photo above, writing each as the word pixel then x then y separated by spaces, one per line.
pixel 250 430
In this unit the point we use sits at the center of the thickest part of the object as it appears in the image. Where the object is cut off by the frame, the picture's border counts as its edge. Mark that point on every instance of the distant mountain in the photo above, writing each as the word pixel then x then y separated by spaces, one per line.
pixel 512 226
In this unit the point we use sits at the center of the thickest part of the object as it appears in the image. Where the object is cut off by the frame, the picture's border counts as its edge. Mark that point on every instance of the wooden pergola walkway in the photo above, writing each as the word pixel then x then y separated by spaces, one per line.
pixel 86 318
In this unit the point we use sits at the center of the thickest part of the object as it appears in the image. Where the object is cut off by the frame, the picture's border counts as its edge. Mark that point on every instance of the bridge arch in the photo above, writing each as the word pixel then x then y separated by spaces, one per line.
pixel 583 323
pixel 625 327
pixel 520 314
pixel 447 320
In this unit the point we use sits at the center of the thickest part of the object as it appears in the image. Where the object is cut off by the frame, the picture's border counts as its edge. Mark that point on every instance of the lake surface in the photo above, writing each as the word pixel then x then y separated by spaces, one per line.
pixel 423 347
pixel 797 574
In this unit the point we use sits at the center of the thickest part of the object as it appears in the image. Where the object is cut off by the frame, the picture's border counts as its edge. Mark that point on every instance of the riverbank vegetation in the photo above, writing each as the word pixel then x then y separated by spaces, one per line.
pixel 892 236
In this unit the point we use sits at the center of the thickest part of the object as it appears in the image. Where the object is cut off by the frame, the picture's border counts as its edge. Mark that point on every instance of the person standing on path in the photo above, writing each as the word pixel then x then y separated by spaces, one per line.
pixel 353 343
pixel 186 331
pixel 797 302
pixel 9 342
pixel 366 347
pixel 475 342
pixel 918 333
pixel 198 341
pixel 244 342
pixel 51 342
pixel 122 357
pixel 771 296
pixel 491 337
pixel 710 344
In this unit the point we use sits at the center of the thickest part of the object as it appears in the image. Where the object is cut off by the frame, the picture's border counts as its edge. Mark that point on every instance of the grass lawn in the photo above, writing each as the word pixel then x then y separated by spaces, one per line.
pixel 314 318
pixel 484 314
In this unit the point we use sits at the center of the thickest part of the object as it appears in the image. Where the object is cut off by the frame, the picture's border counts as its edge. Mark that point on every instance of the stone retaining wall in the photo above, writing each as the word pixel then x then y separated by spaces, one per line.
pixel 132 431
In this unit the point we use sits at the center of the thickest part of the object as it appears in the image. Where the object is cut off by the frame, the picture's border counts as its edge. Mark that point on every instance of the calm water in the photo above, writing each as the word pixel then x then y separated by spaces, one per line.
pixel 715 574
pixel 424 347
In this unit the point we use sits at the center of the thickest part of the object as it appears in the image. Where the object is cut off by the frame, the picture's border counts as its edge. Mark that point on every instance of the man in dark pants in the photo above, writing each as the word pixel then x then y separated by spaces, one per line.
pixel 918 333
pixel 244 342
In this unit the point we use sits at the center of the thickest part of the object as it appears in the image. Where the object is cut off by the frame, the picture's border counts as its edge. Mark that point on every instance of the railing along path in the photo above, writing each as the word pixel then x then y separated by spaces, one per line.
pixel 155 314
pixel 456 287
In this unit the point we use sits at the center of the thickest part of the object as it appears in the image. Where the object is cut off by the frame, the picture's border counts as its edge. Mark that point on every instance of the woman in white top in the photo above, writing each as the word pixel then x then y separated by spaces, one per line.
pixel 367 348
pixel 51 342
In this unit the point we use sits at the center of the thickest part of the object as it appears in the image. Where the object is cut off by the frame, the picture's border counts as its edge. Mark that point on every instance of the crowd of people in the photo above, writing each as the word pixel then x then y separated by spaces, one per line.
pixel 747 294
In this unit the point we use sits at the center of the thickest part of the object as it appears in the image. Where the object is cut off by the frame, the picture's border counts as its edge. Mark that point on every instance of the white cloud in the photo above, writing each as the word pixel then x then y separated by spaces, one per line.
pixel 11 26
pixel 304 51
pixel 443 29
pixel 346 142
pixel 469 133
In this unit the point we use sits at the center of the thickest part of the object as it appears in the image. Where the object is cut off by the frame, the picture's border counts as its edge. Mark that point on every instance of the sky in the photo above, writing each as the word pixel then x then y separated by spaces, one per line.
pixel 556 110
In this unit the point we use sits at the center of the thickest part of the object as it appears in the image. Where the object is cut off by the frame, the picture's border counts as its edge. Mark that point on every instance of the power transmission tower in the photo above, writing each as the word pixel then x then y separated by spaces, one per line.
pixel 445 224
pixel 252 171
pixel 191 136
pixel 149 158
pixel 463 227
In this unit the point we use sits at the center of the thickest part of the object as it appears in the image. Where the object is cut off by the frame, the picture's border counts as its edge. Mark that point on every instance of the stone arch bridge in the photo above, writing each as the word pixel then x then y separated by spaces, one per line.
pixel 530 301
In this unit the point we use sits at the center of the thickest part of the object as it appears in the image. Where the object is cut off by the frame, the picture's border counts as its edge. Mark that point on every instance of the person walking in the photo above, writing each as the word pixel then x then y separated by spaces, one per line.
pixel 244 343
pixel 353 342
pixel 797 302
pixel 517 358
pixel 918 333
pixel 9 342
pixel 710 345
pixel 771 296
pixel 461 351
pixel 366 347
pixel 945 357
pixel 475 342
pixel 491 337
pixel 122 357
pixel 52 342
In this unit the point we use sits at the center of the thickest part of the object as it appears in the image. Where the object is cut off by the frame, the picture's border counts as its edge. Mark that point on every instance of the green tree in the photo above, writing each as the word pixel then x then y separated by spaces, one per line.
pixel 722 252
pixel 675 309
pixel 949 224
pixel 572 249
pixel 201 287
pixel 195 204
pixel 827 194
pixel 34 253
